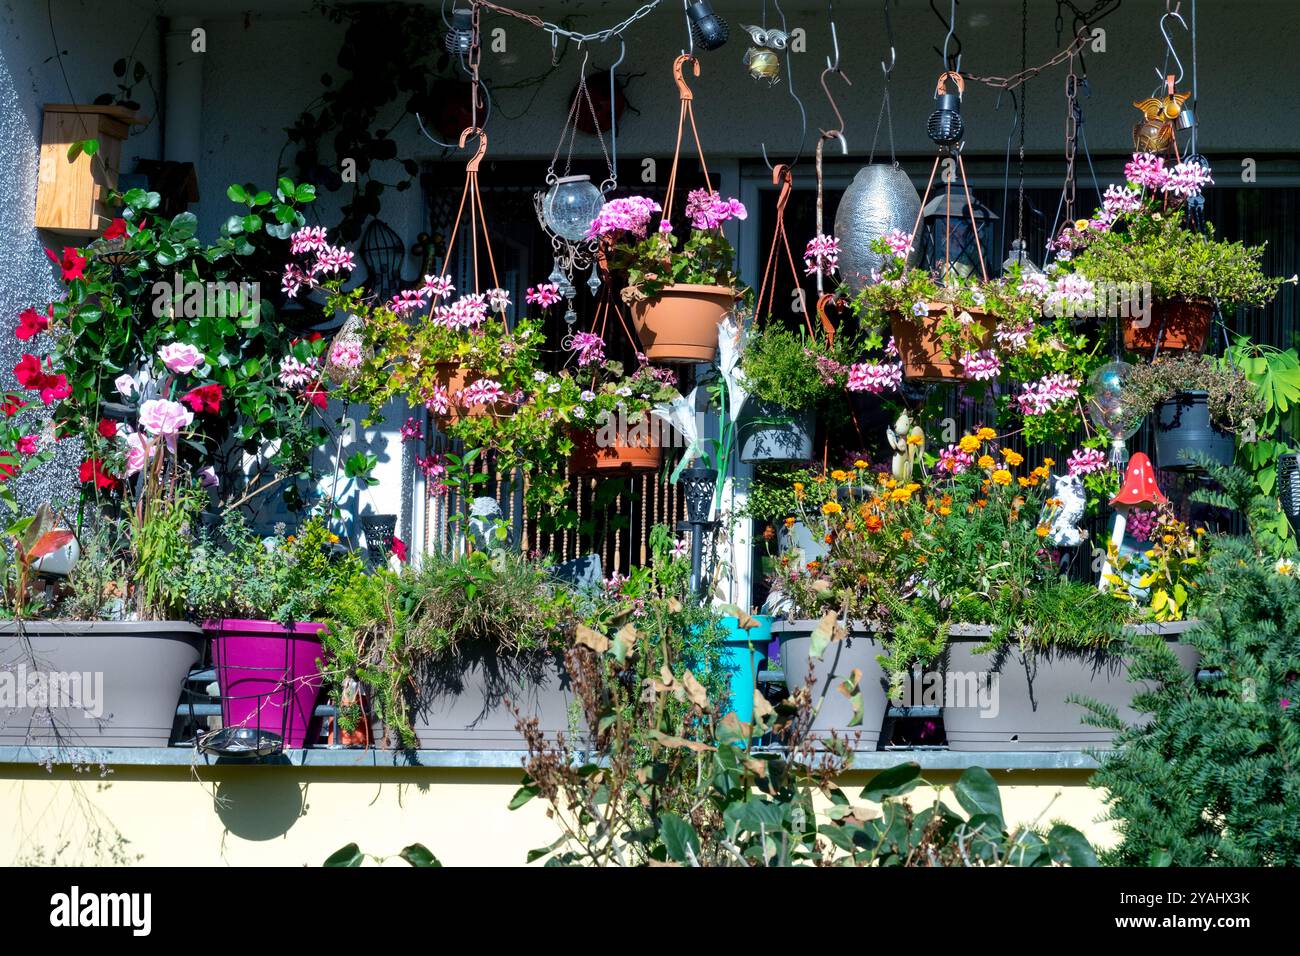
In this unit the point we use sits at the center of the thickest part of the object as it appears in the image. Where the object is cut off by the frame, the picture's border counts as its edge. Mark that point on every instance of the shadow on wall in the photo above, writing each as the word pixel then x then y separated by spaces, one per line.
pixel 260 805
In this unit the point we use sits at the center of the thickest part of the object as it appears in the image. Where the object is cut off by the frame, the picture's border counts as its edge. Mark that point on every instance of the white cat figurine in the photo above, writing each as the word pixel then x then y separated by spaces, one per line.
pixel 1068 490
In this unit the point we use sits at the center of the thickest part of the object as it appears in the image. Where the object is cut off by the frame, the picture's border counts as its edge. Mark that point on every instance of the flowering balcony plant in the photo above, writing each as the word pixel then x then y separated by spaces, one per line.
pixel 964 540
pixel 943 327
pixel 1148 234
pixel 152 313
pixel 678 290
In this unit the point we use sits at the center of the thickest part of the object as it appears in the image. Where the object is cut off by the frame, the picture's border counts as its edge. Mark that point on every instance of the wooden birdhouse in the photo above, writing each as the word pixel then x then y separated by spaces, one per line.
pixel 70 196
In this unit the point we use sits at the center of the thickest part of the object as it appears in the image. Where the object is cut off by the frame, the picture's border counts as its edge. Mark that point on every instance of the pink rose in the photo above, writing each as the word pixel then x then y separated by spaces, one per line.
pixel 138 450
pixel 180 358
pixel 168 419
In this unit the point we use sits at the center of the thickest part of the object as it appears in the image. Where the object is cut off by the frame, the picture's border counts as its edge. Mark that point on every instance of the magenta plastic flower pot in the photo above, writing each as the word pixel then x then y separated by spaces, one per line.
pixel 268 675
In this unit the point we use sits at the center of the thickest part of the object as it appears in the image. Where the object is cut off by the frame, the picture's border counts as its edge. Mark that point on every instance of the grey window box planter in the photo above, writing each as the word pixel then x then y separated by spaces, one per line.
pixel 859 650
pixel 462 702
pixel 1015 699
pixel 130 675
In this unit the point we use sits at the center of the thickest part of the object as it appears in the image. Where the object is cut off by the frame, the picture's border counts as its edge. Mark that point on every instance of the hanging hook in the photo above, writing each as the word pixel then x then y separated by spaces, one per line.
pixel 613 107
pixel 477 158
pixel 837 133
pixel 684 91
pixel 953 65
pixel 803 113
pixel 893 54
pixel 835 43
pixel 487 115
pixel 1169 43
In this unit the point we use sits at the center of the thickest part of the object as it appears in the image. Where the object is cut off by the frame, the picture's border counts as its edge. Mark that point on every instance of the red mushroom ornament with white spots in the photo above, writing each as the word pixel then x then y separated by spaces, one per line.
pixel 1139 492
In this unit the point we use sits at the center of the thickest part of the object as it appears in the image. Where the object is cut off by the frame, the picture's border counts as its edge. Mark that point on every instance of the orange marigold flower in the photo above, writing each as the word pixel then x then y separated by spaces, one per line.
pixel 986 434
pixel 839 475
pixel 1042 530
pixel 945 510
pixel 789 522
pixel 916 439
pixel 986 462
pixel 1049 462
pixel 1014 458
pixel 873 523
pixel 906 534
pixel 982 503
pixel 859 464
pixel 1025 482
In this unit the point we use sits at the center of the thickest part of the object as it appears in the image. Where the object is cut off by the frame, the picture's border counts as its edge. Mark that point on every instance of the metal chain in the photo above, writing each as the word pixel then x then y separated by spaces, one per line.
pixel 556 31
pixel 1024 52
pixel 1071 138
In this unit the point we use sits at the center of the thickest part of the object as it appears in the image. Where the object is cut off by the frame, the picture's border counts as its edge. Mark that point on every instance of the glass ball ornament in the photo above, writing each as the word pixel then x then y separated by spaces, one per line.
pixel 571 206
pixel 1107 410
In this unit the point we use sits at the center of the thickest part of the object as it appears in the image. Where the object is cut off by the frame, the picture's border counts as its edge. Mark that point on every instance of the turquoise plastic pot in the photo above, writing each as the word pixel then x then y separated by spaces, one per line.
pixel 741 652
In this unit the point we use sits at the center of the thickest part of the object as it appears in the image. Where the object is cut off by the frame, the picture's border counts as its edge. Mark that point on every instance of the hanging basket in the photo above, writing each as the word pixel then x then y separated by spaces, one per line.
pixel 1183 427
pixel 1177 325
pixel 590 459
pixel 681 323
pixel 455 378
pixel 917 341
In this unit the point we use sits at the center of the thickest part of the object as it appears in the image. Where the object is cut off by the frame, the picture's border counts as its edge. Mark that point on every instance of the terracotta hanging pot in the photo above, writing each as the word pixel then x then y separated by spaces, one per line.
pixel 640 456
pixel 1177 325
pixel 918 346
pixel 455 378
pixel 681 323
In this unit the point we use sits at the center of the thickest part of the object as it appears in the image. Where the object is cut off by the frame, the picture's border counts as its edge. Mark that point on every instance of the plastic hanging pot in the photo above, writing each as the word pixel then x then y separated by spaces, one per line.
pixel 770 434
pixel 1183 429
pixel 626 455
pixel 680 324
pixel 918 344
pixel 1176 325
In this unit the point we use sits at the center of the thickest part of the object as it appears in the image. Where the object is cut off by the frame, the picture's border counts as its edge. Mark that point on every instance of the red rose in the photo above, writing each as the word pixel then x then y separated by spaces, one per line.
pixel 27 445
pixel 73 263
pixel 317 395
pixel 10 404
pixel 92 469
pixel 116 229
pixel 399 548
pixel 31 323
pixel 205 398
pixel 108 428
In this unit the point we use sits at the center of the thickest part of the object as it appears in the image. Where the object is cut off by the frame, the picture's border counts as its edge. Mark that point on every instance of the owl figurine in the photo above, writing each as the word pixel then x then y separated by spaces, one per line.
pixel 1154 133
pixel 761 59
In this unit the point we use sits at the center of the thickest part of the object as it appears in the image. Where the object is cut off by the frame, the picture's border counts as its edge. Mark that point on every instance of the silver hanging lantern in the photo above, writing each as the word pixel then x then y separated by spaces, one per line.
pixel 1018 256
pixel 881 198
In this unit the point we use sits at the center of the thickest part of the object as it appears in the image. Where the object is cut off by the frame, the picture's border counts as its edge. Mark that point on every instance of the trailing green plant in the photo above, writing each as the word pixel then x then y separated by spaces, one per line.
pixel 791 370
pixel 1209 779
pixel 1234 402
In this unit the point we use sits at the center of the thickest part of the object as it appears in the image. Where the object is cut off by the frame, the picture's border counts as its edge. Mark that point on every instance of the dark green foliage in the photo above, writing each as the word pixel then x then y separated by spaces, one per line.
pixel 1214 778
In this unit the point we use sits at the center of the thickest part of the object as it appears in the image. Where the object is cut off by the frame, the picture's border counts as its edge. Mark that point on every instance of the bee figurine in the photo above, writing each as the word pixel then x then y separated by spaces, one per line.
pixel 761 59
pixel 1154 133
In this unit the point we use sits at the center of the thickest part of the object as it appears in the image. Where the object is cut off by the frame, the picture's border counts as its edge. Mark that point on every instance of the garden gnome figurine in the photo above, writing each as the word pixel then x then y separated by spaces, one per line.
pixel 1139 491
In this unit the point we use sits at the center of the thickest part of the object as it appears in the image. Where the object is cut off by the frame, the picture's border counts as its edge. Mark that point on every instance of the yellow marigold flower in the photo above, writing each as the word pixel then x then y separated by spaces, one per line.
pixel 820 479
pixel 916 439
pixel 906 534
pixel 1200 531
pixel 969 444
pixel 1049 462
pixel 1040 472
pixel 334 539
pixel 900 494
pixel 839 475
pixel 1168 539
pixel 1002 477
pixel 945 511
pixel 831 508
pixel 946 500
pixel 986 462
pixel 1042 530
pixel 891 483
pixel 798 486
pixel 859 464
pixel 789 522
pixel 1014 458
pixel 986 434
pixel 1024 482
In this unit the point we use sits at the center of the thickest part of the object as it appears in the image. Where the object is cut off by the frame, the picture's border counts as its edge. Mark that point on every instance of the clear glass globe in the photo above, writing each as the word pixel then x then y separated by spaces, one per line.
pixel 571 206
pixel 1106 401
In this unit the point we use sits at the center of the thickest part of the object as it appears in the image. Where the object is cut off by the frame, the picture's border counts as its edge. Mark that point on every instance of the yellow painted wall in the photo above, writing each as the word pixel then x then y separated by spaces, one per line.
pixel 293 816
